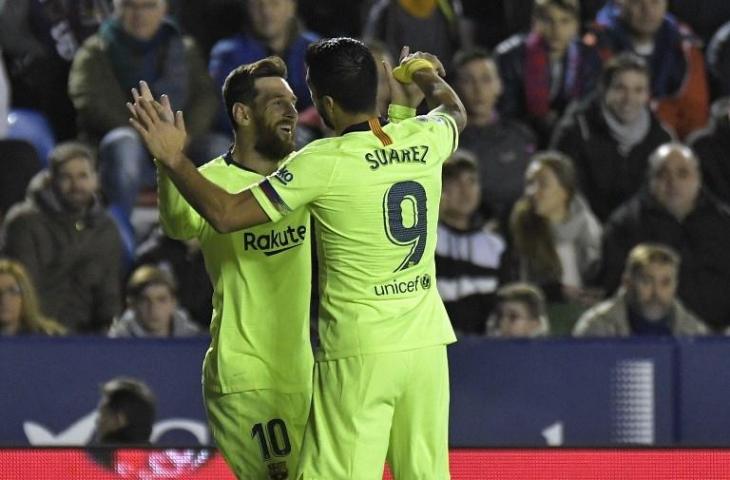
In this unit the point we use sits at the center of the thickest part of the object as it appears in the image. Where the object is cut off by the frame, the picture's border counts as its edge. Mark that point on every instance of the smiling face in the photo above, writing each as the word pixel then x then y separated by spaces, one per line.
pixel 627 95
pixel 274 117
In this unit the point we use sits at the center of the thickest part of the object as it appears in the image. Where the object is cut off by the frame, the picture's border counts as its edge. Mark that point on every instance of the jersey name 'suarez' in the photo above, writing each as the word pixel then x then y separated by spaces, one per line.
pixel 389 156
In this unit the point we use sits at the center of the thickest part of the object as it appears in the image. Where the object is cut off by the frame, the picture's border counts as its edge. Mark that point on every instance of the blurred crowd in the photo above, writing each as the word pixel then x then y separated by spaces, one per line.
pixel 588 196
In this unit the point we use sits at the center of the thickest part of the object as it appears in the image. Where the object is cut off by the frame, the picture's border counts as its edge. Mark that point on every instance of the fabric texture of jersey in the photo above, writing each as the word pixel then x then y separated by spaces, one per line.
pixel 261 282
pixel 374 193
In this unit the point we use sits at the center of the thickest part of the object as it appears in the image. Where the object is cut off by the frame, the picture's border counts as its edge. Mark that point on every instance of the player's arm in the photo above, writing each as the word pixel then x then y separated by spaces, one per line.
pixel 166 140
pixel 178 219
pixel 425 70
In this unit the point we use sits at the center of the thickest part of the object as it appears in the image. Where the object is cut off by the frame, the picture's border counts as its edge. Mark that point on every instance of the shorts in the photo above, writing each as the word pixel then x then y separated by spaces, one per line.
pixel 372 408
pixel 259 432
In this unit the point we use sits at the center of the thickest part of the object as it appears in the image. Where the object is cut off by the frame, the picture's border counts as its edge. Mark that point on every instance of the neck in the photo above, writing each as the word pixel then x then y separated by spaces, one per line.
pixel 482 120
pixel 344 120
pixel 245 154
pixel 641 39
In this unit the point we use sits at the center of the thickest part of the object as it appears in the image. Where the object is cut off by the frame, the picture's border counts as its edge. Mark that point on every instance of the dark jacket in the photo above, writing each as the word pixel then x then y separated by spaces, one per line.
pixel 606 177
pixel 712 147
pixel 75 261
pixel 99 97
pixel 701 240
pixel 581 70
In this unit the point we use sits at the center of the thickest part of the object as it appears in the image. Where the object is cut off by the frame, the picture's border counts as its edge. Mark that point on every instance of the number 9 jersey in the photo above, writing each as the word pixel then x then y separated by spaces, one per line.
pixel 374 193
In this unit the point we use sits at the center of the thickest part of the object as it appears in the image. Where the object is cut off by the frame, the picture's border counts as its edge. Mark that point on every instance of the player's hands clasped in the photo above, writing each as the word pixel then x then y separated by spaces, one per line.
pixel 162 131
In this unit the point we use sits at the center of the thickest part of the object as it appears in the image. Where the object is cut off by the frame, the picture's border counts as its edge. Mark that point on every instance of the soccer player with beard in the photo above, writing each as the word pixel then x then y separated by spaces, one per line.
pixel 381 377
pixel 257 373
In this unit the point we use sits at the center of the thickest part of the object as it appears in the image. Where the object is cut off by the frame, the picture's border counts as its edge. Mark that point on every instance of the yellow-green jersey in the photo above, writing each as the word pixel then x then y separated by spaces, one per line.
pixel 374 193
pixel 261 279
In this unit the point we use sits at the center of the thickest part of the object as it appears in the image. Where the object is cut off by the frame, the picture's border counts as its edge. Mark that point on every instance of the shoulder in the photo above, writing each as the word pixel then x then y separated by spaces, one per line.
pixel 599 319
pixel 24 214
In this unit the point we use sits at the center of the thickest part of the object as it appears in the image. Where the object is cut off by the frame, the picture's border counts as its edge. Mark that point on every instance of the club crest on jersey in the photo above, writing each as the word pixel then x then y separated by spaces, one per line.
pixel 275 241
pixel 278 471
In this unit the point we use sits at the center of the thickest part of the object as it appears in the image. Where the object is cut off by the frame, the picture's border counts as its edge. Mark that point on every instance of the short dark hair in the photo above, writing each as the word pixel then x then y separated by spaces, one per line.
pixel 239 84
pixel 462 57
pixel 460 161
pixel 344 69
pixel 63 152
pixel 623 62
pixel 135 400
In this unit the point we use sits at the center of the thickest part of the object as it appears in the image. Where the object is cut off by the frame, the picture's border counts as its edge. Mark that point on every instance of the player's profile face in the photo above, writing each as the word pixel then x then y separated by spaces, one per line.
pixel 275 117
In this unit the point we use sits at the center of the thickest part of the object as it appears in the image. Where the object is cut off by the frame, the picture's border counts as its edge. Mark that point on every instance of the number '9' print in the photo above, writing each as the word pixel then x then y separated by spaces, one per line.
pixel 405 217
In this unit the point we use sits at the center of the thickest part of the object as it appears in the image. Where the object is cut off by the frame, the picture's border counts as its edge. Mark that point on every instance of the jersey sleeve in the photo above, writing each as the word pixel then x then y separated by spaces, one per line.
pixel 303 178
pixel 443 132
pixel 178 219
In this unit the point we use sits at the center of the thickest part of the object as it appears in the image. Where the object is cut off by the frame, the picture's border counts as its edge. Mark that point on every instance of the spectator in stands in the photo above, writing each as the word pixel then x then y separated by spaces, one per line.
pixel 40 39
pixel 556 238
pixel 468 253
pixel 712 146
pixel 718 60
pixel 67 242
pixel 152 309
pixel 546 69
pixel 184 261
pixel 434 26
pixel 611 137
pixel 18 159
pixel 520 312
pixel 126 413
pixel 20 312
pixel 502 146
pixel 273 29
pixel 138 43
pixel 678 78
pixel 646 303
pixel 675 211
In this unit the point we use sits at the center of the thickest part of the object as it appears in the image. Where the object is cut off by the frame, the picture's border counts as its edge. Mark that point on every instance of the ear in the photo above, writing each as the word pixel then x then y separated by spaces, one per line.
pixel 328 104
pixel 241 114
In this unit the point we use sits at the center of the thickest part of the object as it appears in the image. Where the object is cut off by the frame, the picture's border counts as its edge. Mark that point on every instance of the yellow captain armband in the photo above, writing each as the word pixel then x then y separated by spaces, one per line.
pixel 404 73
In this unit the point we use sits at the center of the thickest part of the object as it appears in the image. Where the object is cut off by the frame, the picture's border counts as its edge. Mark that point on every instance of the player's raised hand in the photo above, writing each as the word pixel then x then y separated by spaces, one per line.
pixel 409 95
pixel 145 93
pixel 165 140
pixel 412 62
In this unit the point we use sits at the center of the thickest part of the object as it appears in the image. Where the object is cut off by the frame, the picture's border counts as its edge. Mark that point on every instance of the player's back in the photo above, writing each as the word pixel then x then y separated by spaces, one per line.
pixel 377 215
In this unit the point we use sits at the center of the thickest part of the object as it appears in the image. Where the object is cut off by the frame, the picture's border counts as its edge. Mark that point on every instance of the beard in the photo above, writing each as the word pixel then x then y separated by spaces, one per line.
pixel 270 144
